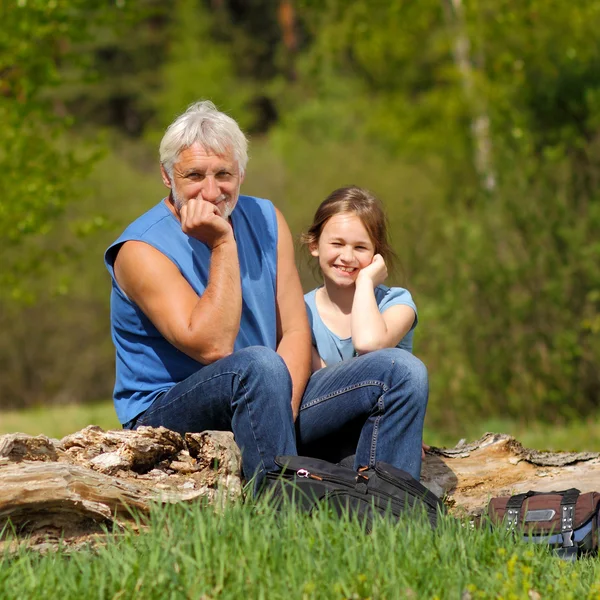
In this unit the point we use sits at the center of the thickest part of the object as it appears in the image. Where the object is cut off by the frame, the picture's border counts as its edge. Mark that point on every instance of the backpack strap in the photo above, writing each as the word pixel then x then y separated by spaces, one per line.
pixel 513 510
pixel 567 517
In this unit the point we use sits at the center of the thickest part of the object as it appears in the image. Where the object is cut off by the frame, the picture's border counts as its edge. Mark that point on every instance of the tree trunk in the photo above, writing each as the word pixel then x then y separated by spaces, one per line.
pixel 480 122
pixel 69 489
pixel 498 465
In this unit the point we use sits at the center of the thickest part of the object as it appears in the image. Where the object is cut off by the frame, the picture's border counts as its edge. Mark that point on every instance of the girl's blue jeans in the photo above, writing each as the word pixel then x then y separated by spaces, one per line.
pixel 372 406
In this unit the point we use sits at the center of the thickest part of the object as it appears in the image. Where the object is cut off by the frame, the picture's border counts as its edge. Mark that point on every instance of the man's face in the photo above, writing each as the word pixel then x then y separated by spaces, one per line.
pixel 210 177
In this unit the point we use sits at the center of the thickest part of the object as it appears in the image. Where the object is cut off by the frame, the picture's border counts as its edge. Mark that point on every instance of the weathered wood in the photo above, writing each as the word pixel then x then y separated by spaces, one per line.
pixel 34 494
pixel 20 446
pixel 138 450
pixel 496 465
pixel 72 487
pixel 68 489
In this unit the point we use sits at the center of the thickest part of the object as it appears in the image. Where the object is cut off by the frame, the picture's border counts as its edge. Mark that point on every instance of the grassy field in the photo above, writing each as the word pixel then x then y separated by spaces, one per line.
pixel 58 421
pixel 249 552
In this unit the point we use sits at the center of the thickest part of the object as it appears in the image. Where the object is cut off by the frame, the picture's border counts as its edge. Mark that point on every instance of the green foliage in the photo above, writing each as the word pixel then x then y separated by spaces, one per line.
pixel 56 348
pixel 198 66
pixel 390 65
pixel 408 99
pixel 39 160
pixel 507 277
pixel 35 171
pixel 541 71
pixel 61 420
pixel 113 72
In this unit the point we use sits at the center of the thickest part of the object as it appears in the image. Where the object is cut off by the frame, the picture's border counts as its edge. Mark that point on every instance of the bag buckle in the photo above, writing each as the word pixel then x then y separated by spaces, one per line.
pixel 512 516
pixel 567 525
pixel 362 483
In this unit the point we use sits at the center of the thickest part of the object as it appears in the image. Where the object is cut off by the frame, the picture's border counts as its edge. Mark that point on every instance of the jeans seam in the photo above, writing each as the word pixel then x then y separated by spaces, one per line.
pixel 150 412
pixel 345 390
pixel 246 405
pixel 373 453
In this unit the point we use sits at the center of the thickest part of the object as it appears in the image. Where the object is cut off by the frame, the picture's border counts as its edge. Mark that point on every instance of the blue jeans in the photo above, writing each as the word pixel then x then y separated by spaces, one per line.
pixel 372 406
pixel 248 392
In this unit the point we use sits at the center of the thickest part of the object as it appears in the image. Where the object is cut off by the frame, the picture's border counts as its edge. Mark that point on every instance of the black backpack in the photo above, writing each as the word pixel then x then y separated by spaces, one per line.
pixel 384 489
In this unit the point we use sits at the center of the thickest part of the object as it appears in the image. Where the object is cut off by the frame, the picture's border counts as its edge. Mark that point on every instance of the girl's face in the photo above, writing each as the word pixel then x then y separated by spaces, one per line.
pixel 343 249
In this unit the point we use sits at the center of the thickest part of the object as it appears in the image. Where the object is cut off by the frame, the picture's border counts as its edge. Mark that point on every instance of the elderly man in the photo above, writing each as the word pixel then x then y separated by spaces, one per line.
pixel 210 327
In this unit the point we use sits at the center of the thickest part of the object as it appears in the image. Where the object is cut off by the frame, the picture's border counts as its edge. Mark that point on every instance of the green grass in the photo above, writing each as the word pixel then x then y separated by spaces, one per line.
pixel 58 421
pixel 242 552
pixel 582 435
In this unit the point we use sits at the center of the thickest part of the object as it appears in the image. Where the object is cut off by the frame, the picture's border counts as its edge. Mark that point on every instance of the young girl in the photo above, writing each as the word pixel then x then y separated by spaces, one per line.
pixel 378 412
pixel 353 313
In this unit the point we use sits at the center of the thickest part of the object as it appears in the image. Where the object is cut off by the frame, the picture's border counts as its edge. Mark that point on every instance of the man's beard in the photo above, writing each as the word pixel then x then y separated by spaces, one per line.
pixel 227 206
pixel 226 209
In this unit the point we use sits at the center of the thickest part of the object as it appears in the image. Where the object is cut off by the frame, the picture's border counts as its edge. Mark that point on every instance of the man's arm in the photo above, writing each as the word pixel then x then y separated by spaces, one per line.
pixel 293 332
pixel 203 327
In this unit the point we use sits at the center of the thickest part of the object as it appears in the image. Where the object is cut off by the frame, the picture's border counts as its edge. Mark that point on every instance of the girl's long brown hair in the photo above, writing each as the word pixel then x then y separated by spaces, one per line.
pixel 362 203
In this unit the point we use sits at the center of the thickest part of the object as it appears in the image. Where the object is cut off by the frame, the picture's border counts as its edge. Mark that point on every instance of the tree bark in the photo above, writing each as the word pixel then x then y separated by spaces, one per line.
pixel 68 490
pixel 468 475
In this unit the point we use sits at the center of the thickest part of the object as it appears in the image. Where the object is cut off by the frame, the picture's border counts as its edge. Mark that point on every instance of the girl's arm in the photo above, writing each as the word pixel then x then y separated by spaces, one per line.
pixel 372 330
pixel 316 362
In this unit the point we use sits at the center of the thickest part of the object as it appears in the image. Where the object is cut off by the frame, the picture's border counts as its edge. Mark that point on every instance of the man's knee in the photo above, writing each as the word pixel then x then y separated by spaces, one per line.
pixel 265 363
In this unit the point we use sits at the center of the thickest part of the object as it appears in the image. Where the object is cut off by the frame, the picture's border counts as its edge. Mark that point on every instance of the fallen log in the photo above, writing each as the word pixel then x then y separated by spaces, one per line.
pixel 468 475
pixel 72 488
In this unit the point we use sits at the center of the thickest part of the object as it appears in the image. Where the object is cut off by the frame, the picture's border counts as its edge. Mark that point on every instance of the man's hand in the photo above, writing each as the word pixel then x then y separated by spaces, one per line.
pixel 202 220
pixel 424 448
pixel 377 271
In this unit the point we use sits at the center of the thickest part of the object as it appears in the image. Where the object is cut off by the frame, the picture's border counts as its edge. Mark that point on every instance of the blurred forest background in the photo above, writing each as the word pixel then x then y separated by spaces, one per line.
pixel 476 122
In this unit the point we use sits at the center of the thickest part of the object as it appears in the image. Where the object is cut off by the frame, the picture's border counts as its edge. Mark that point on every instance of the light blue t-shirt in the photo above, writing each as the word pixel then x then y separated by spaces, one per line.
pixel 333 349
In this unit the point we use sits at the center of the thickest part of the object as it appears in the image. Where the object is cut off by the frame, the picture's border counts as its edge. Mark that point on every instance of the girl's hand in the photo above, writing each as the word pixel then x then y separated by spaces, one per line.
pixel 376 271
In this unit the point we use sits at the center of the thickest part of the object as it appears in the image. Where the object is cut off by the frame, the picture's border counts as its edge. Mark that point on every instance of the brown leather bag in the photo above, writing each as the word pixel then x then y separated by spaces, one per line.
pixel 567 520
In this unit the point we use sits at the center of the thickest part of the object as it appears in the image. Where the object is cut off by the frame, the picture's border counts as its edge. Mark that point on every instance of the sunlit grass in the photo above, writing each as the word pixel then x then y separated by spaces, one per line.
pixel 245 552
pixel 582 435
pixel 58 421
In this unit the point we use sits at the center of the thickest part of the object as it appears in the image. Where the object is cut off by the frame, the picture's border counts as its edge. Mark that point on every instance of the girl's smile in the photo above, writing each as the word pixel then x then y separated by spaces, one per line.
pixel 343 249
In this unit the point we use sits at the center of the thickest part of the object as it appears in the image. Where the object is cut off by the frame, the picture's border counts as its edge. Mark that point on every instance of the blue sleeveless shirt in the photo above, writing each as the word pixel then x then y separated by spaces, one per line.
pixel 146 363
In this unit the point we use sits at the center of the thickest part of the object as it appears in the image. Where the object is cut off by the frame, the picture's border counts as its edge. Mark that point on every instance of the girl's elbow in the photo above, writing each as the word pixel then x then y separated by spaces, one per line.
pixel 366 346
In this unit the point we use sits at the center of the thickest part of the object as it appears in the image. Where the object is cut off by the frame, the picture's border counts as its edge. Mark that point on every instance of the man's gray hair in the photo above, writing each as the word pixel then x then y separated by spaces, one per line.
pixel 202 123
